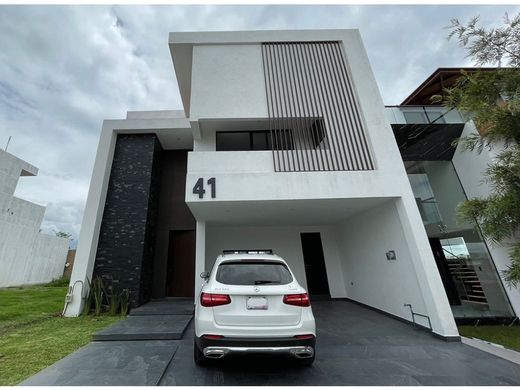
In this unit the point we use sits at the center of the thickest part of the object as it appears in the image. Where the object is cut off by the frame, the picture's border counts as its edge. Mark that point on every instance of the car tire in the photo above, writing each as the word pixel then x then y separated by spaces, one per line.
pixel 198 356
pixel 307 362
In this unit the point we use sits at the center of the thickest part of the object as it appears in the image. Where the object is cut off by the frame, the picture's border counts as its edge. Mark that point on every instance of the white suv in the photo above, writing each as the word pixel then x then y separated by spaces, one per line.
pixel 251 303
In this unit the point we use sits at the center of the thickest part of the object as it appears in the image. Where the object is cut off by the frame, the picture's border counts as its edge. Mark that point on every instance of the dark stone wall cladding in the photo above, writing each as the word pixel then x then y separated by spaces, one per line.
pixel 124 257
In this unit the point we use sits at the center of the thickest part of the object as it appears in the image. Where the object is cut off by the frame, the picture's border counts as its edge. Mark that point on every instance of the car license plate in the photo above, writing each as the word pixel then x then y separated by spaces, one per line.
pixel 257 303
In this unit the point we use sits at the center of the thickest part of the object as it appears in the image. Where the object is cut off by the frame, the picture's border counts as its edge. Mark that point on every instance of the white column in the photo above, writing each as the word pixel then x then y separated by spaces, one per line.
pixel 426 271
pixel 200 255
pixel 90 226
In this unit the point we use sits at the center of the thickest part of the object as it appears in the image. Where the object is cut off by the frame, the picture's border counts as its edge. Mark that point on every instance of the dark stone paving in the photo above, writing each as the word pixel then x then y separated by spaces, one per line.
pixel 146 327
pixel 114 363
pixel 165 306
pixel 356 346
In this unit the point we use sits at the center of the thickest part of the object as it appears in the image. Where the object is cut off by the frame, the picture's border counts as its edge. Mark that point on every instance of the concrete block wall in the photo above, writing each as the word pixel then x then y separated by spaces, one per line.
pixel 26 255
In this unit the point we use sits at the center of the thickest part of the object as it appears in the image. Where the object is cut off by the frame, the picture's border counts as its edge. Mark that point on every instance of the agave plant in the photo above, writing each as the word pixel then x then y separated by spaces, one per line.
pixel 124 300
pixel 98 290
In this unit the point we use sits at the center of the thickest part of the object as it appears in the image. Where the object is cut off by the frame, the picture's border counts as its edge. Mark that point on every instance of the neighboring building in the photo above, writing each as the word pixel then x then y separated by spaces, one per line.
pixel 441 177
pixel 284 144
pixel 26 255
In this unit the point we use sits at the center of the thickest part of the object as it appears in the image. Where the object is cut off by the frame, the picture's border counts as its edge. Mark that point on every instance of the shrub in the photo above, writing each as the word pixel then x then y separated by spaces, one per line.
pixel 62 281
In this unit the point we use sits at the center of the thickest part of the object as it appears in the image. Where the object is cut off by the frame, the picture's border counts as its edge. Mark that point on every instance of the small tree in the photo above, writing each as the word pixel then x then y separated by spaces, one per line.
pixel 63 234
pixel 492 100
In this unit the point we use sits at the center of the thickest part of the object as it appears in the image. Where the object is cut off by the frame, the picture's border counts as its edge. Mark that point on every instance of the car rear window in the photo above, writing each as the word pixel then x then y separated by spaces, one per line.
pixel 251 273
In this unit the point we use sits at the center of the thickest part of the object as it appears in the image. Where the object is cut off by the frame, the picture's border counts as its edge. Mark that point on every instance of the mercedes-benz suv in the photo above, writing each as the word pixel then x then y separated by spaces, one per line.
pixel 251 303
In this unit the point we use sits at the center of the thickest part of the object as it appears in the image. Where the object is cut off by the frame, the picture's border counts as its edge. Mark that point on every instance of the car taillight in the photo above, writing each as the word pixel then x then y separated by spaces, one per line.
pixel 213 336
pixel 297 300
pixel 304 336
pixel 210 300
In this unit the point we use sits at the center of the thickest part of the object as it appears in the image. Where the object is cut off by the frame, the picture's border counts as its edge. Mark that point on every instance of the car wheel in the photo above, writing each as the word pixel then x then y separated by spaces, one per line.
pixel 198 356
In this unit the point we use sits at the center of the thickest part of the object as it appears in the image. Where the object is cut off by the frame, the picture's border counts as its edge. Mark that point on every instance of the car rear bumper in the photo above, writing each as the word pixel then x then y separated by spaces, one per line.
pixel 300 348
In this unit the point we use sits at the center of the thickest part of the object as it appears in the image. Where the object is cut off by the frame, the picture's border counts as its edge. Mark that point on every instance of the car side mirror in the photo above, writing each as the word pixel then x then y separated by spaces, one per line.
pixel 204 275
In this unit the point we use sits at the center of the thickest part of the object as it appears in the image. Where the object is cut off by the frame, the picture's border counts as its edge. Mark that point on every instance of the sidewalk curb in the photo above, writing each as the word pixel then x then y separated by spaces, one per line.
pixel 494 349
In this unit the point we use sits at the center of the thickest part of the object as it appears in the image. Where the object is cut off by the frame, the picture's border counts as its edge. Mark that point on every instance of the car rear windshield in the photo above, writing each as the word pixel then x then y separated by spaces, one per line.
pixel 250 273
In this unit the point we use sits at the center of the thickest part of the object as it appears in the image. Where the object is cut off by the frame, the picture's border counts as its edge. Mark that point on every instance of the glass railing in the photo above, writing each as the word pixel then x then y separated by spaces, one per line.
pixel 422 114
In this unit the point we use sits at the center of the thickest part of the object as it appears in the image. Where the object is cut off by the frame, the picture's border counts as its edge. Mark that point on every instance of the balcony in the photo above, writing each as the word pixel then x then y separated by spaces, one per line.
pixel 425 133
pixel 423 115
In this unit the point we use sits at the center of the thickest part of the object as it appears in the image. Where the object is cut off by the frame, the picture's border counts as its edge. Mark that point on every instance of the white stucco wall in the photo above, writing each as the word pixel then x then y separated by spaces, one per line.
pixel 285 241
pixel 371 278
pixel 239 89
pixel 26 255
pixel 470 167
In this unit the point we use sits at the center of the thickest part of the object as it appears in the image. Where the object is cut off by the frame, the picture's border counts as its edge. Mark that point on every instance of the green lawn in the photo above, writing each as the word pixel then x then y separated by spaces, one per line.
pixel 508 336
pixel 20 306
pixel 33 335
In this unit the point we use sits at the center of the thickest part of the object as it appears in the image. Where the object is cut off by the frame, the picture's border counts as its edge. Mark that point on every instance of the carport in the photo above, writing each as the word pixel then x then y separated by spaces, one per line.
pixel 356 248
pixel 355 346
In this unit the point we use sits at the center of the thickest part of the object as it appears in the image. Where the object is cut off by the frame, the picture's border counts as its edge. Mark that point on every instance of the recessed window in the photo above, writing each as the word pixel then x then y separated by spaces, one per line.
pixel 253 140
pixel 231 141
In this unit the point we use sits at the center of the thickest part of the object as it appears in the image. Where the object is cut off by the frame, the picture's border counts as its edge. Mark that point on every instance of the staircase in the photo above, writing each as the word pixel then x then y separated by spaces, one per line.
pixel 466 275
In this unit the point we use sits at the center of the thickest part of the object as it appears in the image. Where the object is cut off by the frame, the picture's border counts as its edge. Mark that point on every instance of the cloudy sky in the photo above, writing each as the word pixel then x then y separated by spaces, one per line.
pixel 63 69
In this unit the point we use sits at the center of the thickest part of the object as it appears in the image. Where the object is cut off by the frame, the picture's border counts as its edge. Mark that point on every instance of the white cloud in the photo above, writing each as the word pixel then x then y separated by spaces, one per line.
pixel 63 69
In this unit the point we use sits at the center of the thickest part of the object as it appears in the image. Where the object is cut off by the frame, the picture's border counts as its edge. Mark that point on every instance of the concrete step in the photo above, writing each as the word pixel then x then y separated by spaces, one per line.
pixel 145 327
pixel 166 306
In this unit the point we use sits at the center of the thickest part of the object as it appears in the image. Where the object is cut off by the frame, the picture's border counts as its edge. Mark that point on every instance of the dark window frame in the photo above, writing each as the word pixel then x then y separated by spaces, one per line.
pixel 284 140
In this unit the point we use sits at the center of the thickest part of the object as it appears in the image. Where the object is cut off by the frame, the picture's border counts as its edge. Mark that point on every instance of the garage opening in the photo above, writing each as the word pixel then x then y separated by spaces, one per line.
pixel 314 261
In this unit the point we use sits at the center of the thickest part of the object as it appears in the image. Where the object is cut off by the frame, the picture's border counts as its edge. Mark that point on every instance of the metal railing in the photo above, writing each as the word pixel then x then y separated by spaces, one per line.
pixel 423 114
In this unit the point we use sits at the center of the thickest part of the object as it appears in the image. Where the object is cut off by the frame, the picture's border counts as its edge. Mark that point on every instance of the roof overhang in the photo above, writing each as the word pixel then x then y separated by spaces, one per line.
pixel 435 84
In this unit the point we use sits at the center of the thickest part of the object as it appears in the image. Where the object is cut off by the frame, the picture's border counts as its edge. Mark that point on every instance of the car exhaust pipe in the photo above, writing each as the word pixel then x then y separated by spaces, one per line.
pixel 303 353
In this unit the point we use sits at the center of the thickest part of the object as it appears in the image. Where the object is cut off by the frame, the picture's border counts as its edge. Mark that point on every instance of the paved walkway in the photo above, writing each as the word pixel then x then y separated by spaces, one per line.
pixel 356 346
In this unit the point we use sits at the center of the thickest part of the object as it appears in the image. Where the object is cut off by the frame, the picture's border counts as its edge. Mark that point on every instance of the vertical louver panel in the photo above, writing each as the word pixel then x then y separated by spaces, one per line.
pixel 314 120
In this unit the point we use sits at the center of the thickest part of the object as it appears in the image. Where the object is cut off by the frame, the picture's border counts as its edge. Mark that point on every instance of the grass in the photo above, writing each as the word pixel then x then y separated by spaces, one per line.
pixel 20 306
pixel 508 336
pixel 34 336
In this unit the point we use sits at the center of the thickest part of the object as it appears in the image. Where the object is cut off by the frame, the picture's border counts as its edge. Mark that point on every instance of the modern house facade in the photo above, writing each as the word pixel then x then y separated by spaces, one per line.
pixel 26 255
pixel 284 143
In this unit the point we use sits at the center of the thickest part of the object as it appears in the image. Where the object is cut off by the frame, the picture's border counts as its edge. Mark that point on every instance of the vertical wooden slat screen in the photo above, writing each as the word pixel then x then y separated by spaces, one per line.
pixel 314 119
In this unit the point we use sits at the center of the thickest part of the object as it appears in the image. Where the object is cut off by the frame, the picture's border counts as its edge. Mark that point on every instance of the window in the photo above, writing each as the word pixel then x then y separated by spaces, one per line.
pixel 230 141
pixel 253 140
pixel 253 272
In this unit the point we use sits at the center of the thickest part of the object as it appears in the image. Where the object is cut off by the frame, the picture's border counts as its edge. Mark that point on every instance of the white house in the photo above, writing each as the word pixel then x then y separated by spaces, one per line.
pixel 285 144
pixel 26 255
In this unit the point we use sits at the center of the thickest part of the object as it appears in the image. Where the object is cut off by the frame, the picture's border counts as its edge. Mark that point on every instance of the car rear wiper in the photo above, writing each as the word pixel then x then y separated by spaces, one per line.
pixel 266 281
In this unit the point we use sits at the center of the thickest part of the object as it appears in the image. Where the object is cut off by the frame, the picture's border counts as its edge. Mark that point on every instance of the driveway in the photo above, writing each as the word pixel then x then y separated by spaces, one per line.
pixel 356 346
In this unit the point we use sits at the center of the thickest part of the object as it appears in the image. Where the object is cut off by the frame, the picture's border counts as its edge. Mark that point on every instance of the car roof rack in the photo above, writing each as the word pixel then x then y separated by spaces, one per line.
pixel 248 251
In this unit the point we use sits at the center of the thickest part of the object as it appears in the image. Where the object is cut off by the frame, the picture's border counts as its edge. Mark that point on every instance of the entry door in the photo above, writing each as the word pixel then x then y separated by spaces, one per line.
pixel 317 283
pixel 180 280
pixel 444 271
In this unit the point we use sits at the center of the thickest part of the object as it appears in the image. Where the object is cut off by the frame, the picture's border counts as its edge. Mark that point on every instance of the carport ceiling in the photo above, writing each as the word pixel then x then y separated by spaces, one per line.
pixel 281 212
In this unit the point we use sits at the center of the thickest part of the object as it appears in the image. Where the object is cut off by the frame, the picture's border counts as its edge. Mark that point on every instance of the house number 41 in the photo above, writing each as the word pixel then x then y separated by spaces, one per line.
pixel 199 187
